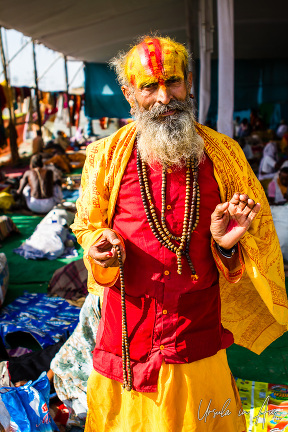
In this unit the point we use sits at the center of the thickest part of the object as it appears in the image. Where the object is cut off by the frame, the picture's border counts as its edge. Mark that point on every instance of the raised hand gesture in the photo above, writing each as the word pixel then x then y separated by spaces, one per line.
pixel 230 220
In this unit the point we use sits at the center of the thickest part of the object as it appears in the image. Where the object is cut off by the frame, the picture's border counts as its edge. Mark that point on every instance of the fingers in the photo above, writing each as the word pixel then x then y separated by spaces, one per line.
pixel 104 252
pixel 219 211
pixel 254 212
pixel 244 205
pixel 111 237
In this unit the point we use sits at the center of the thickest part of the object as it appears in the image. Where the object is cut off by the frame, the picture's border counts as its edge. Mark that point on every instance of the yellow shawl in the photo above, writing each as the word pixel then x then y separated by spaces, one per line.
pixel 254 309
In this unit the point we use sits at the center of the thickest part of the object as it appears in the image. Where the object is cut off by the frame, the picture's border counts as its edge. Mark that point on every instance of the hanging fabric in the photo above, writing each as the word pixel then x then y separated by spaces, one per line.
pixel 206 28
pixel 225 9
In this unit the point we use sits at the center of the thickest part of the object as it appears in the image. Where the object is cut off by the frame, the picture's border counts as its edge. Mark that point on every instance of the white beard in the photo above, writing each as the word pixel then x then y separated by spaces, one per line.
pixel 168 140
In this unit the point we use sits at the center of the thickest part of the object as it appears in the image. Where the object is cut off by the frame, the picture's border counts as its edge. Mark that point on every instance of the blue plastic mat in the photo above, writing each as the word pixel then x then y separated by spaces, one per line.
pixel 45 318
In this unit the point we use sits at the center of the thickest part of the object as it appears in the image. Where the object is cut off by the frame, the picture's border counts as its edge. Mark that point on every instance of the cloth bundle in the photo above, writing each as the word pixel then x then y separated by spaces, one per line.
pixel 47 241
pixel 7 226
pixel 70 281
pixel 49 238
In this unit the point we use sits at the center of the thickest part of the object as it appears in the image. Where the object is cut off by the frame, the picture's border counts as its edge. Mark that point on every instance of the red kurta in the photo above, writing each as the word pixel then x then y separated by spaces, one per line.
pixel 169 316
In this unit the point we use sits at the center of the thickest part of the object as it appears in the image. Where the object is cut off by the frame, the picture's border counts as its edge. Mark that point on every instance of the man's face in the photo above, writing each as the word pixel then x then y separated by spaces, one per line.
pixel 161 92
pixel 156 75
pixel 158 94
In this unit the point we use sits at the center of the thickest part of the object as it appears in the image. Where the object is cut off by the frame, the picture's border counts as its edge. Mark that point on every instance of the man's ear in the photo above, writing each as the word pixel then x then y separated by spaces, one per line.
pixel 190 79
pixel 128 95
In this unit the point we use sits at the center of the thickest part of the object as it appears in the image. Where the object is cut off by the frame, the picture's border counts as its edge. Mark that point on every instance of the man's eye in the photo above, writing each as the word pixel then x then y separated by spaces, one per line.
pixel 172 81
pixel 149 86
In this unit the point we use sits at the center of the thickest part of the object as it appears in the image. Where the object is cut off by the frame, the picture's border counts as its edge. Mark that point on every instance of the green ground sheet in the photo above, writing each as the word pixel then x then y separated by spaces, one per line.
pixel 28 275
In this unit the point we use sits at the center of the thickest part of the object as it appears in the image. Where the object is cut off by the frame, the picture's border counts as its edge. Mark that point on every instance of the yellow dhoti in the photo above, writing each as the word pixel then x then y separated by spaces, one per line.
pixel 195 397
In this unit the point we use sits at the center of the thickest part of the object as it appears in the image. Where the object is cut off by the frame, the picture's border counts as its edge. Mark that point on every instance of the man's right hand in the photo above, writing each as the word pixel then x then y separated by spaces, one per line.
pixel 104 253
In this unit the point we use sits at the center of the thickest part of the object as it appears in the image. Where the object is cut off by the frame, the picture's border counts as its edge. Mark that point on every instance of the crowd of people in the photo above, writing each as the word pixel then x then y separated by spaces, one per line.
pixel 267 152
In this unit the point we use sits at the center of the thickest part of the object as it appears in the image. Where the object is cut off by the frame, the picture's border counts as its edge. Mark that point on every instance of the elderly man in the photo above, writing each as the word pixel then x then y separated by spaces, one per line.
pixel 177 203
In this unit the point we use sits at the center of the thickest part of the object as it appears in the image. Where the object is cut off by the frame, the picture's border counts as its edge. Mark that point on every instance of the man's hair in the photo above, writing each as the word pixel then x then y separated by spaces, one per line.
pixel 284 170
pixel 120 60
pixel 36 161
pixel 39 132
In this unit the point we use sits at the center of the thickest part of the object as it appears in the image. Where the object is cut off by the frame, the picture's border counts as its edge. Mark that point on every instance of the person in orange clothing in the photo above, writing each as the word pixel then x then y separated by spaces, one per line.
pixel 171 211
pixel 37 143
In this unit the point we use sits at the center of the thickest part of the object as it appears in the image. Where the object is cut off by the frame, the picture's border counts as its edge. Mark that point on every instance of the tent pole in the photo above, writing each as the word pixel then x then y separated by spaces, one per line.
pixel 18 52
pixel 49 67
pixel 36 87
pixel 67 93
pixel 191 11
pixel 12 128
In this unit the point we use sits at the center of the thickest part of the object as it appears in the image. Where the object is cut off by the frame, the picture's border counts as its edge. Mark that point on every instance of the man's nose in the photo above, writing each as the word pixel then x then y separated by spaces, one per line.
pixel 164 94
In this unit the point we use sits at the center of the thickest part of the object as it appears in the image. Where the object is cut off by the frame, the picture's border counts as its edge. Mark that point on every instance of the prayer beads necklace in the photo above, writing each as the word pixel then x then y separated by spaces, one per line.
pixel 126 364
pixel 164 236
pixel 160 231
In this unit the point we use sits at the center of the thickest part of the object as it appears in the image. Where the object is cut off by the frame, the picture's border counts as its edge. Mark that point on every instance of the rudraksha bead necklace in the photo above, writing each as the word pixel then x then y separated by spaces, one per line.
pixel 160 231
pixel 126 364
pixel 164 236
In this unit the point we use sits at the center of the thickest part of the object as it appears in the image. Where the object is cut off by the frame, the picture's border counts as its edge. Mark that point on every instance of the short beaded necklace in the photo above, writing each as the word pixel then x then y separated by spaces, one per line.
pixel 164 236
pixel 160 231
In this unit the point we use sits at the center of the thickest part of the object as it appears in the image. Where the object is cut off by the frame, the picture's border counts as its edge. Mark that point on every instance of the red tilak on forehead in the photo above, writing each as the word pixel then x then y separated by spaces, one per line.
pixel 151 55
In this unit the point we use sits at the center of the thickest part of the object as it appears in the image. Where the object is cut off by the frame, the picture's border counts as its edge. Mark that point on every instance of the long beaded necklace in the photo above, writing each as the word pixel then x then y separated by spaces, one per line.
pixel 160 230
pixel 126 364
pixel 164 236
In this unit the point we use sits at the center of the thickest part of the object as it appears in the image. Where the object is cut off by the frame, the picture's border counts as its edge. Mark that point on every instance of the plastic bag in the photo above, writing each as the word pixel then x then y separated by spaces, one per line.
pixel 28 406
pixel 4 418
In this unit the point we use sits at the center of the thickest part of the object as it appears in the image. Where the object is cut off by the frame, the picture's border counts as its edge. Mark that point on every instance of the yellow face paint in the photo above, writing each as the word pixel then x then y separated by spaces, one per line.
pixel 155 60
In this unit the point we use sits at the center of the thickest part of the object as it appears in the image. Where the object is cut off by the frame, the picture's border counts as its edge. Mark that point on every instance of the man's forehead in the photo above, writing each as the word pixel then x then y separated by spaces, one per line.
pixel 155 60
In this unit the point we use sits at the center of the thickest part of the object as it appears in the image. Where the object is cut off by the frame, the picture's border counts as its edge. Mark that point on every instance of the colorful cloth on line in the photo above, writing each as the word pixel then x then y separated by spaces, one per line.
pixel 45 318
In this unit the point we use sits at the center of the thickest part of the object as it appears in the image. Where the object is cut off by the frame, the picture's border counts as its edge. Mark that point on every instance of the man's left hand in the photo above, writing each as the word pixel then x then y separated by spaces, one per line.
pixel 232 219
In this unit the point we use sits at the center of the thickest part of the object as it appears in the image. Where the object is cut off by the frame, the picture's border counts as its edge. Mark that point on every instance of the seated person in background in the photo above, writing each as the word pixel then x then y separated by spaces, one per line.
pixel 244 128
pixel 256 122
pixel 282 129
pixel 38 187
pixel 268 163
pixel 37 143
pixel 277 188
pixel 62 140
pixel 246 147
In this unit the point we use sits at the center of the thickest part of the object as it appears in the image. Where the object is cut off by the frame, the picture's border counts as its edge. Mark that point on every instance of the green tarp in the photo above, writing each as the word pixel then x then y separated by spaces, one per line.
pixel 28 275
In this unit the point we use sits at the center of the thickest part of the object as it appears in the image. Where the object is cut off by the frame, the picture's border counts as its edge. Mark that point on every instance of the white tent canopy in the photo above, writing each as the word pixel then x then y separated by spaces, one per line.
pixel 94 31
